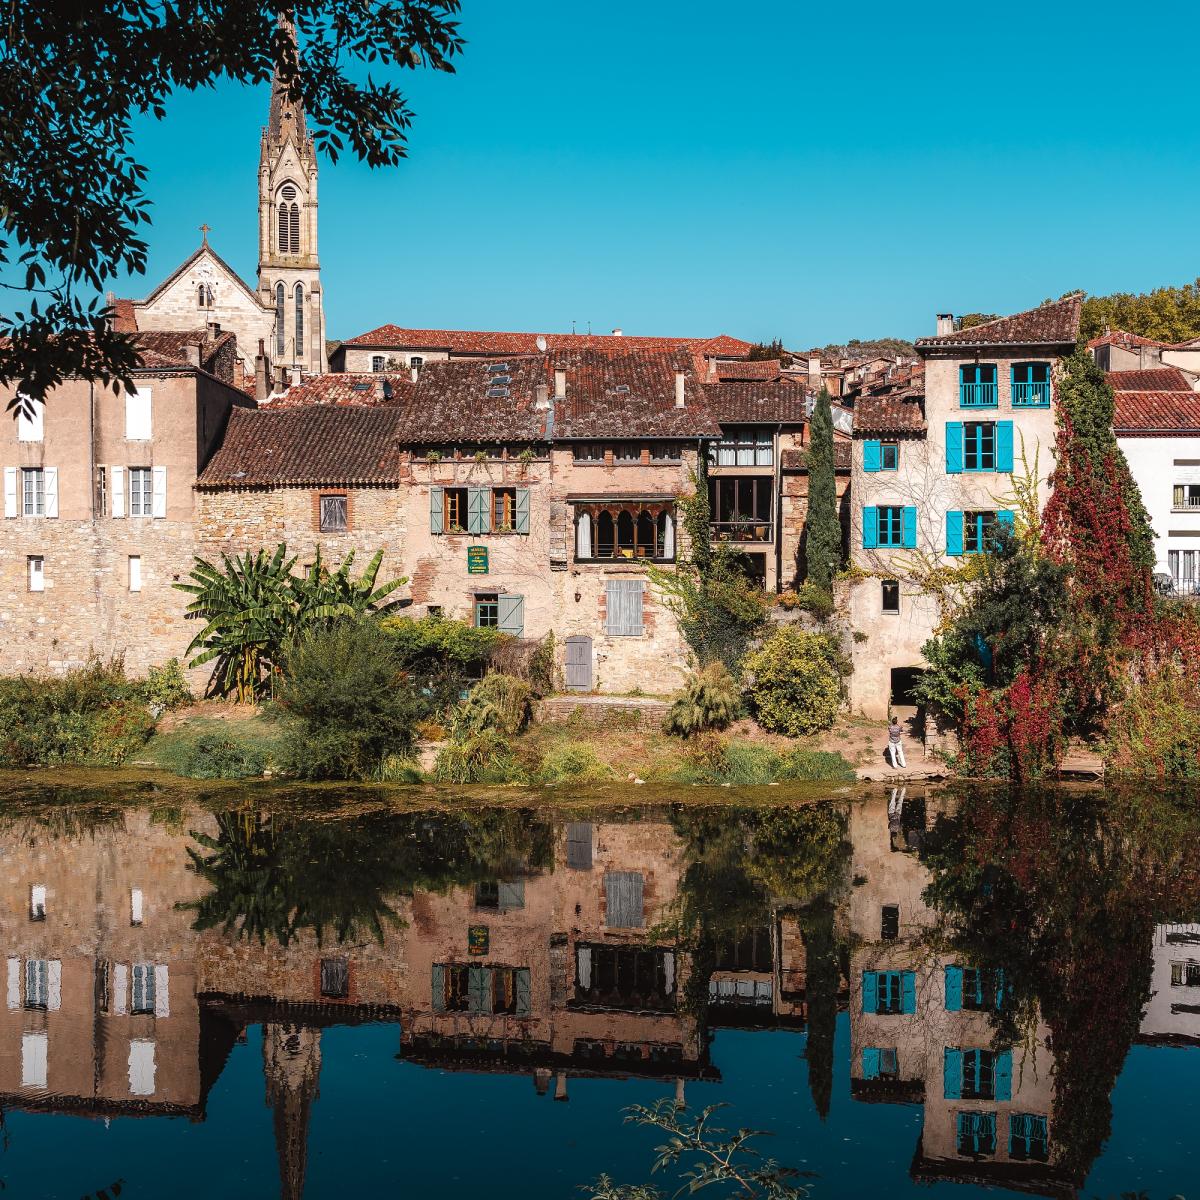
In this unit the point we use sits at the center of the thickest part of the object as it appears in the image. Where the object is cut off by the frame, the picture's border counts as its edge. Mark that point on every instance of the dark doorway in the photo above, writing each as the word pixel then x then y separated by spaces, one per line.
pixel 903 681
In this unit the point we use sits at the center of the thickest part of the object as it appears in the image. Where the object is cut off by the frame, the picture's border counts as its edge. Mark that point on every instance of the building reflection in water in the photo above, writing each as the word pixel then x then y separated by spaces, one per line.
pixel 139 952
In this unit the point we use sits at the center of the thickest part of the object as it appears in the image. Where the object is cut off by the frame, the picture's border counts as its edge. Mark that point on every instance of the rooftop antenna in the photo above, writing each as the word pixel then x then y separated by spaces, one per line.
pixel 572 327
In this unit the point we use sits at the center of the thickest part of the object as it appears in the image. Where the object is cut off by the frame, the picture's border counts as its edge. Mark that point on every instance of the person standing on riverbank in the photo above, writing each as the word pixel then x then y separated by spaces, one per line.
pixel 896 744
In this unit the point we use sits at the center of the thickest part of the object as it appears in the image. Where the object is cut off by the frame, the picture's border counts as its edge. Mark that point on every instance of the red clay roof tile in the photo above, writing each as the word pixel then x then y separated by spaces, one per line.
pixel 1055 324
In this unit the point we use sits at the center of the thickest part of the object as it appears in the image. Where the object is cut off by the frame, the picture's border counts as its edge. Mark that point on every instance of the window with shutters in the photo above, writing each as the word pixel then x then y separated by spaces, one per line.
pixel 1028 1137
pixel 979 446
pixel 1031 385
pixel 335 978
pixel 487 612
pixel 500 894
pixel 623 894
pixel 334 513
pixel 475 988
pixel 976 1134
pixel 1185 974
pixel 889 456
pixel 977 385
pixel 455 510
pixel 977 530
pixel 624 601
pixel 37 983
pixel 891 529
pixel 33 492
pixel 887 993
pixel 635 978
pixel 142 989
pixel 504 506
pixel 978 1075
pixel 880 1063
pixel 141 492
pixel 36 566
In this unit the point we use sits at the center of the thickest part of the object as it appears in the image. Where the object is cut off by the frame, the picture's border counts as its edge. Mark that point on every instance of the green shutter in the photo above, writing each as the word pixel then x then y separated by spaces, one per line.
pixel 1004 446
pixel 511 614
pixel 872 456
pixel 478 502
pixel 439 988
pixel 437 510
pixel 479 989
pixel 523 992
pixel 1003 1075
pixel 870 1062
pixel 908 992
pixel 952 1074
pixel 954 989
pixel 870 527
pixel 954 447
pixel 908 528
pixel 870 992
pixel 954 533
pixel 522 522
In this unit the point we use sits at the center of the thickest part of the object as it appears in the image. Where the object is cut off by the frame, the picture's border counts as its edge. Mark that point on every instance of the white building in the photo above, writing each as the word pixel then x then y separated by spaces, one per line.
pixel 1174 1008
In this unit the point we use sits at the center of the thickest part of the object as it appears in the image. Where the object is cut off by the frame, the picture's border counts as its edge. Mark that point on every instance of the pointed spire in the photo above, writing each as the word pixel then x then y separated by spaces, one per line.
pixel 292 1066
pixel 286 119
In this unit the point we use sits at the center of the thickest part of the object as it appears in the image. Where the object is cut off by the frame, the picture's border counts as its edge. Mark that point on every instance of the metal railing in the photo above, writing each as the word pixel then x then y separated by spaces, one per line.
pixel 977 395
pixel 741 531
pixel 1031 395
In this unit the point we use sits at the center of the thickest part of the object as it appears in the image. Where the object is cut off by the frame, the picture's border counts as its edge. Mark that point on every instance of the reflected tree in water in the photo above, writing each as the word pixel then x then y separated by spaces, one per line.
pixel 1062 891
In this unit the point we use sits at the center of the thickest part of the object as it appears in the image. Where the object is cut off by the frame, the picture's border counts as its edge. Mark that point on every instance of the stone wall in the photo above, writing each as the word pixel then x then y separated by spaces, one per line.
pixel 631 712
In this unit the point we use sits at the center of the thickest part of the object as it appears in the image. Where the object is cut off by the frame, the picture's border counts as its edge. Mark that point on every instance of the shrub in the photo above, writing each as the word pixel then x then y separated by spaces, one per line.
pixel 346 702
pixel 797 686
pixel 443 657
pixel 212 756
pixel 816 600
pixel 572 764
pixel 1156 731
pixel 815 766
pixel 481 757
pixel 497 702
pixel 165 687
pixel 708 701
pixel 712 759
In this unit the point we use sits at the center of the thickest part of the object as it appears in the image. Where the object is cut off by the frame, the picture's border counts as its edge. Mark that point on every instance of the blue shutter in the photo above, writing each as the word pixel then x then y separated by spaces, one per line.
pixel 478 517
pixel 870 527
pixel 439 988
pixel 1003 1075
pixel 870 1059
pixel 523 992
pixel 954 447
pixel 954 989
pixel 999 988
pixel 510 614
pixel 437 510
pixel 870 992
pixel 1004 446
pixel 954 532
pixel 522 514
pixel 952 1074
pixel 909 528
pixel 1006 518
pixel 908 992
pixel 872 456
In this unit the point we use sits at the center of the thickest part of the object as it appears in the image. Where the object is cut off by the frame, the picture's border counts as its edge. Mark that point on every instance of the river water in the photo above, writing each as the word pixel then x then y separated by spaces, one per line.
pixel 263 993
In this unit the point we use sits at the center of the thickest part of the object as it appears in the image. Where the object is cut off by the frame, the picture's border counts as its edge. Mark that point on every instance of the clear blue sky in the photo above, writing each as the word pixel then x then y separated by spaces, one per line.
pixel 810 171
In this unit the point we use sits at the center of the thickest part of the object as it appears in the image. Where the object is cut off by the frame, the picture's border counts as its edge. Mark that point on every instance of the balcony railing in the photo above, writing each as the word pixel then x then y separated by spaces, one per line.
pixel 977 395
pixel 741 531
pixel 1031 395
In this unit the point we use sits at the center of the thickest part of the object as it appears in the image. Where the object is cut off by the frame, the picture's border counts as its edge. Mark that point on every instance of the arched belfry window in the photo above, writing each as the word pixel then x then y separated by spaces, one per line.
pixel 299 353
pixel 279 320
pixel 289 220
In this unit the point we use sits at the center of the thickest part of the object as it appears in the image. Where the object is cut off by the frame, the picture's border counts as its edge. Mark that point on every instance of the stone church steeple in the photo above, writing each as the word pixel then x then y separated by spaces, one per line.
pixel 289 270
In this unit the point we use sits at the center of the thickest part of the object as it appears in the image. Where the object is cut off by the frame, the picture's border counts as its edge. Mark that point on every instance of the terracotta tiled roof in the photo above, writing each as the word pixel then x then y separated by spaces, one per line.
pixel 476 402
pixel 321 445
pixel 1155 379
pixel 346 388
pixel 168 347
pixel 745 369
pixel 487 342
pixel 630 395
pixel 1163 414
pixel 888 414
pixel 780 402
pixel 1054 324
pixel 124 316
pixel 797 460
pixel 1120 337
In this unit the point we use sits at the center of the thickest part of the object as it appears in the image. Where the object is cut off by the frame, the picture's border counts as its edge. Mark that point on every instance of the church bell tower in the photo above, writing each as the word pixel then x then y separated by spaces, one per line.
pixel 289 271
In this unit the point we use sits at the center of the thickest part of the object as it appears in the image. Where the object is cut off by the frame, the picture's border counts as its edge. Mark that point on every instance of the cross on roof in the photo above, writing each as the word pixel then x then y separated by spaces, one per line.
pixel 205 230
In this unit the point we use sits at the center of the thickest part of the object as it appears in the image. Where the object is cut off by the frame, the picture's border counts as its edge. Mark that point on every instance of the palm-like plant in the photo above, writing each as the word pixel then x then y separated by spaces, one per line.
pixel 323 594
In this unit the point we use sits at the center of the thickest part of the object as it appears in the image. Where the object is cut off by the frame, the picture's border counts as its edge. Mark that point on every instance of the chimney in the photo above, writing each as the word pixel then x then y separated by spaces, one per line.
pixel 281 378
pixel 618 332
pixel 262 373
pixel 110 299
pixel 192 353
pixel 679 397
pixel 560 384
pixel 541 397
pixel 814 369
pixel 945 324
pixel 212 330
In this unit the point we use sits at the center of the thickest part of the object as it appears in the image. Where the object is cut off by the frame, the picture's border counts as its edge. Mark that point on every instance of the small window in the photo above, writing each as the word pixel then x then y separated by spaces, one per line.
pixel 1028 1138
pixel 627 452
pixel 37 902
pixel 498 368
pixel 138 415
pixel 37 573
pixel 416 361
pixel 1185 974
pixel 37 983
pixel 33 492
pixel 456 510
pixel 30 420
pixel 889 456
pixel 135 572
pixel 889 1064
pixel 487 611
pixel 142 989
pixel 135 906
pixel 101 491
pixel 588 452
pixel 890 596
pixel 504 505
pixel 335 978
pixel 377 363
pixel 141 492
pixel 976 1134
pixel 334 511
pixel 666 451
pixel 889 923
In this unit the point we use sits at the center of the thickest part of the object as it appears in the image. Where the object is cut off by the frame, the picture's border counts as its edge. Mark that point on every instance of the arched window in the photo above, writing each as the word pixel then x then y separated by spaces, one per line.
pixel 294 219
pixel 299 322
pixel 200 298
pixel 645 535
pixel 279 321
pixel 625 543
pixel 289 220
pixel 605 535
pixel 284 237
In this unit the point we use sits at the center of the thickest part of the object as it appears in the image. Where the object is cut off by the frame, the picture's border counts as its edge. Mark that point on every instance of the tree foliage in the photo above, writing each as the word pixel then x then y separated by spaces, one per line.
pixel 1167 314
pixel 823 547
pixel 72 79
pixel 797 686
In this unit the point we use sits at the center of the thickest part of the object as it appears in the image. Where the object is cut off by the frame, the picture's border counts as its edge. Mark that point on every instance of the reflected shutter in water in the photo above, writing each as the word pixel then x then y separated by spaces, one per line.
pixel 623 892
pixel 579 845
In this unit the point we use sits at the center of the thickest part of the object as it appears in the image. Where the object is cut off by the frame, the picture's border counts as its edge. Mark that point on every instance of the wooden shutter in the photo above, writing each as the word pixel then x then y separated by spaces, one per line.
pixel 579 845
pixel 1005 518
pixel 624 603
pixel 138 425
pixel 437 510
pixel 1004 446
pixel 51 481
pixel 870 527
pixel 954 447
pixel 10 491
pixel 159 475
pixel 1003 1075
pixel 870 1062
pixel 952 1074
pixel 872 456
pixel 14 983
pixel 669 537
pixel 870 992
pixel 908 992
pixel 118 492
pixel 511 893
pixel 53 985
pixel 521 520
pixel 511 614
pixel 954 532
pixel 141 1067
pixel 583 535
pixel 479 989
pixel 908 527
pixel 623 893
pixel 120 989
pixel 478 517
pixel 954 989
pixel 439 988
pixel 523 991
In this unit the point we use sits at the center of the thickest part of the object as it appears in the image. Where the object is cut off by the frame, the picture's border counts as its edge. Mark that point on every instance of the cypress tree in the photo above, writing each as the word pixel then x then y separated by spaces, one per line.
pixel 823 552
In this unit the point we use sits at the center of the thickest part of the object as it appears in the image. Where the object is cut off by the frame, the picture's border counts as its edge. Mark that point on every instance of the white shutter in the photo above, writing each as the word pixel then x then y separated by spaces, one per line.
pixel 135 579
pixel 10 491
pixel 162 1004
pixel 30 428
pixel 33 1060
pixel 583 965
pixel 135 894
pixel 51 478
pixel 160 492
pixel 138 427
pixel 623 607
pixel 54 985
pixel 141 1067
pixel 583 536
pixel 669 537
pixel 669 971
pixel 14 983
pixel 118 491
pixel 120 991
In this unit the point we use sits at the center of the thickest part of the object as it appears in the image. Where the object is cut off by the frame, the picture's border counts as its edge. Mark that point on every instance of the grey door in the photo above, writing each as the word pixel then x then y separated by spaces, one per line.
pixel 578 666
